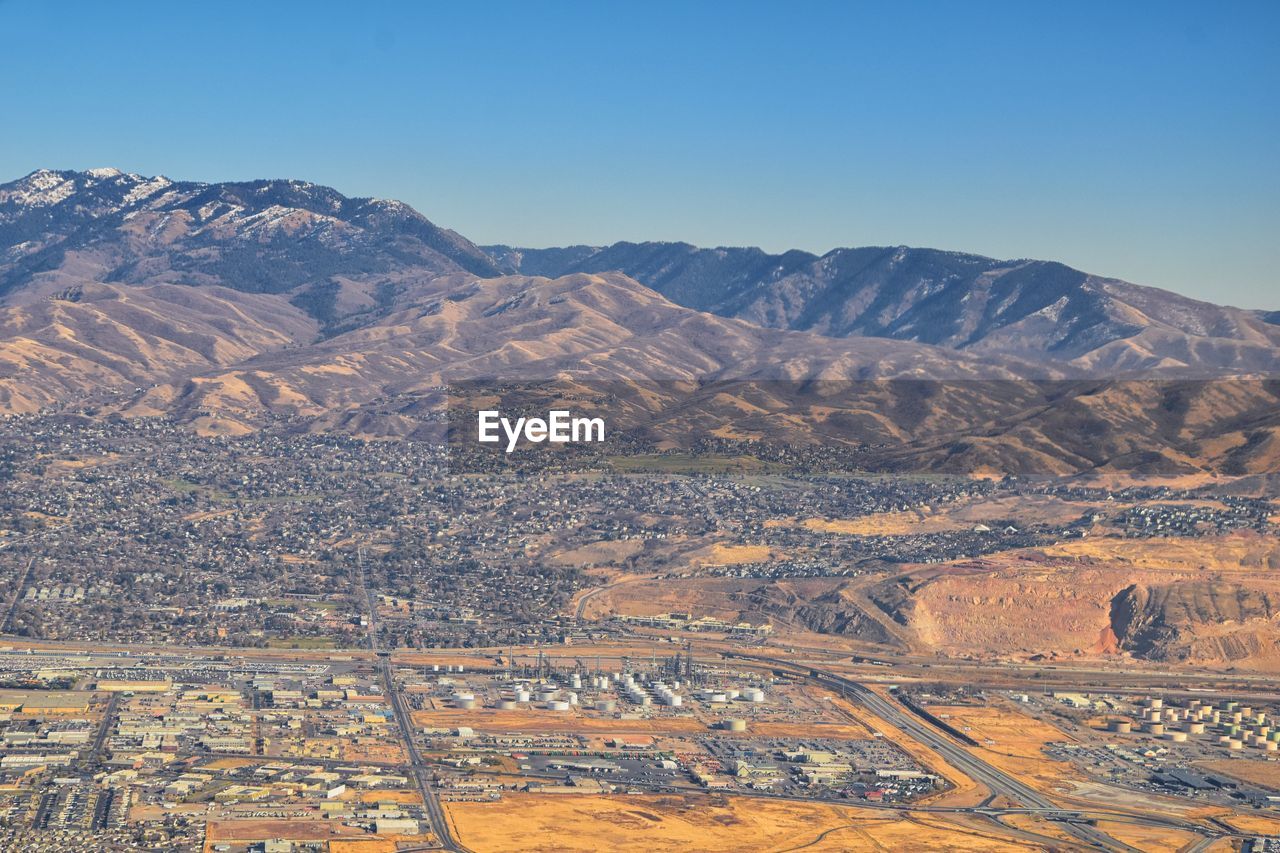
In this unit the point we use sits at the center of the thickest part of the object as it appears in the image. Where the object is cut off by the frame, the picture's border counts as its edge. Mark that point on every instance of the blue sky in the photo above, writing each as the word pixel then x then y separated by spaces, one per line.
pixel 1139 140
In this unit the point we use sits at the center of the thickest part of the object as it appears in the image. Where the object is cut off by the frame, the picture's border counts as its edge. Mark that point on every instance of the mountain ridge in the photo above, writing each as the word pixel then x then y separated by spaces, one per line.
pixel 229 305
pixel 1024 308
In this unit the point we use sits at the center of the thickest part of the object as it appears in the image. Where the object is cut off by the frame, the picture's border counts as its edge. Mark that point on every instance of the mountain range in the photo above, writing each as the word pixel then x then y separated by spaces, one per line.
pixel 1033 310
pixel 221 304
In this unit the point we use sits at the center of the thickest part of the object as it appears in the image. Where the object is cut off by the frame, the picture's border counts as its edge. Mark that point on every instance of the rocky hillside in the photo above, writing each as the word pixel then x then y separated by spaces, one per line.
pixel 1199 621
pixel 333 256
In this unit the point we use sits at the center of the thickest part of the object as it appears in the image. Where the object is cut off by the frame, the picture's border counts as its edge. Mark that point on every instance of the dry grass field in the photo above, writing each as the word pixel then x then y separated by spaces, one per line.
pixel 725 554
pixel 959 516
pixel 1245 551
pixel 1261 824
pixel 249 831
pixel 1147 837
pixel 364 845
pixel 649 824
pixel 1265 773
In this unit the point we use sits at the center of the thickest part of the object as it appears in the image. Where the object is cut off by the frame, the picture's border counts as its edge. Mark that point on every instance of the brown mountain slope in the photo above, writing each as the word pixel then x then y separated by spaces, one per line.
pixel 606 332
pixel 108 338
pixel 660 371
pixel 1159 428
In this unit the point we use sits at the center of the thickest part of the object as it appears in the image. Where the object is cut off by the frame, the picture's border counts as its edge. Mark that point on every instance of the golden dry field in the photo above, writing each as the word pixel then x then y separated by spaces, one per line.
pixel 649 824
pixel 1265 773
pixel 959 516
pixel 1261 824
pixel 1236 552
pixel 1147 837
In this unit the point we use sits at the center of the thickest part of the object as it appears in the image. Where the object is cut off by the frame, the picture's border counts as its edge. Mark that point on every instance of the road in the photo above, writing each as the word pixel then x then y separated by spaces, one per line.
pixel 94 757
pixel 417 767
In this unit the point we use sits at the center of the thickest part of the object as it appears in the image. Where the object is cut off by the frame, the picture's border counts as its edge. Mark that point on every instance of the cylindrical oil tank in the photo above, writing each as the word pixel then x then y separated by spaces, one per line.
pixel 736 725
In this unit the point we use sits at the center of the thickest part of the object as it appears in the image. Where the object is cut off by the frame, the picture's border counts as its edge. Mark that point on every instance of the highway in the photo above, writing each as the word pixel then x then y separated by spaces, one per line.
pixel 957 756
pixel 975 768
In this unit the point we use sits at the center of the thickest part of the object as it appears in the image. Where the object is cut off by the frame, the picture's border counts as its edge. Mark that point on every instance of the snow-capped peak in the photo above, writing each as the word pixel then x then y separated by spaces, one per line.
pixel 104 172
